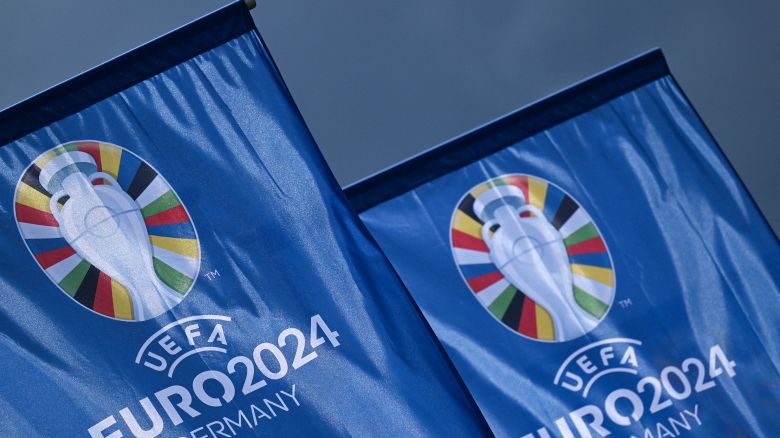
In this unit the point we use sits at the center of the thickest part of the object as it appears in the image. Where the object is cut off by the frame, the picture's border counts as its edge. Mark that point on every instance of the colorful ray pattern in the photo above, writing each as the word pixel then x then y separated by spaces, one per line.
pixel 172 234
pixel 591 265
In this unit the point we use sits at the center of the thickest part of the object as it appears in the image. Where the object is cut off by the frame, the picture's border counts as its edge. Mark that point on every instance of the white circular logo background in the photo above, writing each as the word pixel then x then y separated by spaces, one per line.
pixel 533 257
pixel 107 229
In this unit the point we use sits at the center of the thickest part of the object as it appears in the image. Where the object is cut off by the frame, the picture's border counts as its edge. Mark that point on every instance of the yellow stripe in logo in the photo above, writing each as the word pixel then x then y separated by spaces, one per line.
pixel 32 198
pixel 464 222
pixel 123 306
pixel 537 192
pixel 544 324
pixel 602 275
pixel 109 159
pixel 185 247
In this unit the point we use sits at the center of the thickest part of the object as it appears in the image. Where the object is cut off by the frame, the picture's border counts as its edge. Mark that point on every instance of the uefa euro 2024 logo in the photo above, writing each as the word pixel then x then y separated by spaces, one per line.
pixel 533 257
pixel 108 230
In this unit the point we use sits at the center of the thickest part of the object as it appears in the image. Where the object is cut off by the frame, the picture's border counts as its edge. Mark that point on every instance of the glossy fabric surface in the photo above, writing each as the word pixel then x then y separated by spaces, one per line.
pixel 278 245
pixel 694 262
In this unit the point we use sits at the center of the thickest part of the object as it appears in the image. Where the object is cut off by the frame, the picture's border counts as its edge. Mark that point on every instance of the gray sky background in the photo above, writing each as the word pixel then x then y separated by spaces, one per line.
pixel 378 81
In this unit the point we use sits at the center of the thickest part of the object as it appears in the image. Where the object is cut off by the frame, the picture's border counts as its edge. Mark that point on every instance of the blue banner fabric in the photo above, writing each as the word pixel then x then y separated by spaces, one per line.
pixel 179 261
pixel 592 265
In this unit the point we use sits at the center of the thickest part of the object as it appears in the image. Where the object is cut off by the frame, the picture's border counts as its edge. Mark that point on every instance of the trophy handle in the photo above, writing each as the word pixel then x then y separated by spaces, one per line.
pixel 105 176
pixel 486 233
pixel 530 208
pixel 53 201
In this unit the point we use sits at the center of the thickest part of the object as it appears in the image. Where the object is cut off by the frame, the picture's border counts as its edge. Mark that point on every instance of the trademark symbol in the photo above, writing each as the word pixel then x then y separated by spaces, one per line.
pixel 625 303
pixel 211 275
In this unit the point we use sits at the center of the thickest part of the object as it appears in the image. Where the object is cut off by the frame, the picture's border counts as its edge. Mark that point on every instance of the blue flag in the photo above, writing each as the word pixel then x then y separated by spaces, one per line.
pixel 179 261
pixel 592 265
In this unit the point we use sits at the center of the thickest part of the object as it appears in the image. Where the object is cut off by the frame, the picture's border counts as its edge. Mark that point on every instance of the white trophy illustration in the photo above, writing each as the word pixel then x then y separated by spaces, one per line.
pixel 104 225
pixel 530 253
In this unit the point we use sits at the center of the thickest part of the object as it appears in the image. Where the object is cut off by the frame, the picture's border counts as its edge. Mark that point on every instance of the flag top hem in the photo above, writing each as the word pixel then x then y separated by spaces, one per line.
pixel 505 130
pixel 124 71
